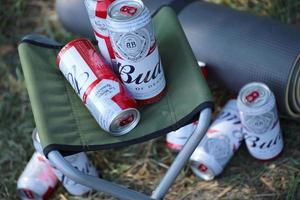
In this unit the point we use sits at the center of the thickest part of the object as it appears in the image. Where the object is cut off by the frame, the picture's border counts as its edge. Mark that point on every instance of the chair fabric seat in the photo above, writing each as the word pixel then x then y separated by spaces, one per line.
pixel 65 124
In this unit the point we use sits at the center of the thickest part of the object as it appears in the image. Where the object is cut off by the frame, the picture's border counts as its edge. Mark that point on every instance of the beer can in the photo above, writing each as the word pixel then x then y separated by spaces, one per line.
pixel 257 106
pixel 98 87
pixel 97 11
pixel 176 139
pixel 38 179
pixel 79 161
pixel 219 144
pixel 203 69
pixel 134 44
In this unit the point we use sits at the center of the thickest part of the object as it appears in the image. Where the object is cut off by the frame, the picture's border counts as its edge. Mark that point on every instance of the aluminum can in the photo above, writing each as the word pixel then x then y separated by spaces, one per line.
pixel 98 87
pixel 97 11
pixel 176 139
pixel 134 44
pixel 79 161
pixel 38 179
pixel 257 106
pixel 219 144
pixel 203 69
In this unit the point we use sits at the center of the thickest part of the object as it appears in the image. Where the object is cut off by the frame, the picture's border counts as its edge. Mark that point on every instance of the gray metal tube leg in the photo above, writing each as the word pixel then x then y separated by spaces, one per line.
pixel 93 182
pixel 183 155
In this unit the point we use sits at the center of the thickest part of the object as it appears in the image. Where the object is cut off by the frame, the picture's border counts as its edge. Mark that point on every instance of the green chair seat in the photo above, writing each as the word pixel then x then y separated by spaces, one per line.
pixel 64 123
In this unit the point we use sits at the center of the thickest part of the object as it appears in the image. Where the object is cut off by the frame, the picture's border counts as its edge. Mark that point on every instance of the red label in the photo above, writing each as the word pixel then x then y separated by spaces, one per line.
pixel 128 10
pixel 252 96
pixel 102 71
pixel 202 168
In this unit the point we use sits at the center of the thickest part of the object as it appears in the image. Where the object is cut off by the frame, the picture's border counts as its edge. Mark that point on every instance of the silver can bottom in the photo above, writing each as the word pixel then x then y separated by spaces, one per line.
pixel 202 171
pixel 124 122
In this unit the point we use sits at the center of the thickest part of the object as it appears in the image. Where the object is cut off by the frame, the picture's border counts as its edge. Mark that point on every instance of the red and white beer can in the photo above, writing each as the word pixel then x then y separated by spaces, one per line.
pixel 203 69
pixel 134 44
pixel 219 144
pixel 38 179
pixel 176 139
pixel 79 161
pixel 257 106
pixel 98 87
pixel 97 11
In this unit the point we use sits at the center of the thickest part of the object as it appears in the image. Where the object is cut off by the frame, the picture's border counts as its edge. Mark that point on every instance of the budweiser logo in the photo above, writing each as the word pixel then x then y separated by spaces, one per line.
pixel 259 143
pixel 128 74
pixel 77 80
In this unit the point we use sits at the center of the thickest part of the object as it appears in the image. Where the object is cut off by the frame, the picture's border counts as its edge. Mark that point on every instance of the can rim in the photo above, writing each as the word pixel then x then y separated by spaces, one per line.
pixel 68 46
pixel 140 20
pixel 258 110
pixel 130 127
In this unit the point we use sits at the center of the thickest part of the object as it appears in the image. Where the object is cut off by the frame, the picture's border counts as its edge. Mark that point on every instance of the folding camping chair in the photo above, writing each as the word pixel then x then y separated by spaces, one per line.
pixel 65 125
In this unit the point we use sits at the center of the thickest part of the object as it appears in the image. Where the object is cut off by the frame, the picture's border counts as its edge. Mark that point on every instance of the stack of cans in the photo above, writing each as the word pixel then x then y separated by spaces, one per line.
pixel 253 117
pixel 257 106
pixel 123 29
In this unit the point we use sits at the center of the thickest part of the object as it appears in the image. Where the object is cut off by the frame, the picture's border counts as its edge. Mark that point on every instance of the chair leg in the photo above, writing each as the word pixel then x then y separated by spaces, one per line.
pixel 183 156
pixel 127 194
pixel 96 183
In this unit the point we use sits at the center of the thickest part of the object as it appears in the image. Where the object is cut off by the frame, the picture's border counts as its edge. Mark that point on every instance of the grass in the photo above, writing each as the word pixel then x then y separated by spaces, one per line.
pixel 139 166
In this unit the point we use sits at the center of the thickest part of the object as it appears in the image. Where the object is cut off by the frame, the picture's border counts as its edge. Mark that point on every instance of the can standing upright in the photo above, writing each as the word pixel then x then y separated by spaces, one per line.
pixel 98 87
pixel 257 106
pixel 219 144
pixel 134 44
pixel 97 11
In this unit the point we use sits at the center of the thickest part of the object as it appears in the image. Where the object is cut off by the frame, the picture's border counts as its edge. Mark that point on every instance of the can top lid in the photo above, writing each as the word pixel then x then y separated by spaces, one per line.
pixel 255 98
pixel 124 122
pixel 125 10
pixel 127 15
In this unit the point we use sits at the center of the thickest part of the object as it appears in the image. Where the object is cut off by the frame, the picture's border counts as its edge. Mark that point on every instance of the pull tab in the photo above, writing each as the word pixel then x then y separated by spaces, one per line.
pixel 252 96
pixel 128 10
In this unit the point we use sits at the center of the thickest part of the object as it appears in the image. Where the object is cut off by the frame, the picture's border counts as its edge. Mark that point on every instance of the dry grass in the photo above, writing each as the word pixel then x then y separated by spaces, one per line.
pixel 140 166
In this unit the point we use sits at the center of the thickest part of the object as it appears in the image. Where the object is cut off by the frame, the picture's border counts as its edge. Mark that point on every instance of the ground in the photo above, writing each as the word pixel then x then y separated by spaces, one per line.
pixel 140 166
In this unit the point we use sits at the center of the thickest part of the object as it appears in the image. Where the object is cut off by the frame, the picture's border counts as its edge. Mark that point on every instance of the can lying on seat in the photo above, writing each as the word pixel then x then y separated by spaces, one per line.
pixel 98 87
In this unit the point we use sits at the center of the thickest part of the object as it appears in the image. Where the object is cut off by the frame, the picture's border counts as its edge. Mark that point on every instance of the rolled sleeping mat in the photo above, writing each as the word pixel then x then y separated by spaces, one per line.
pixel 74 17
pixel 239 48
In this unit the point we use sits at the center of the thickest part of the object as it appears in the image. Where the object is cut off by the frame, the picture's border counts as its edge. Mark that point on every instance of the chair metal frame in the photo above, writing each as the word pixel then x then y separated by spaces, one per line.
pixel 122 192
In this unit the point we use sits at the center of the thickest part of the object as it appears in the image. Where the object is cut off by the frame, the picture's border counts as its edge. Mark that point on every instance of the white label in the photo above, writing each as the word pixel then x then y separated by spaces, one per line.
pixel 104 50
pixel 180 136
pixel 81 163
pixel 143 79
pixel 100 102
pixel 223 137
pixel 76 71
pixel 265 146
